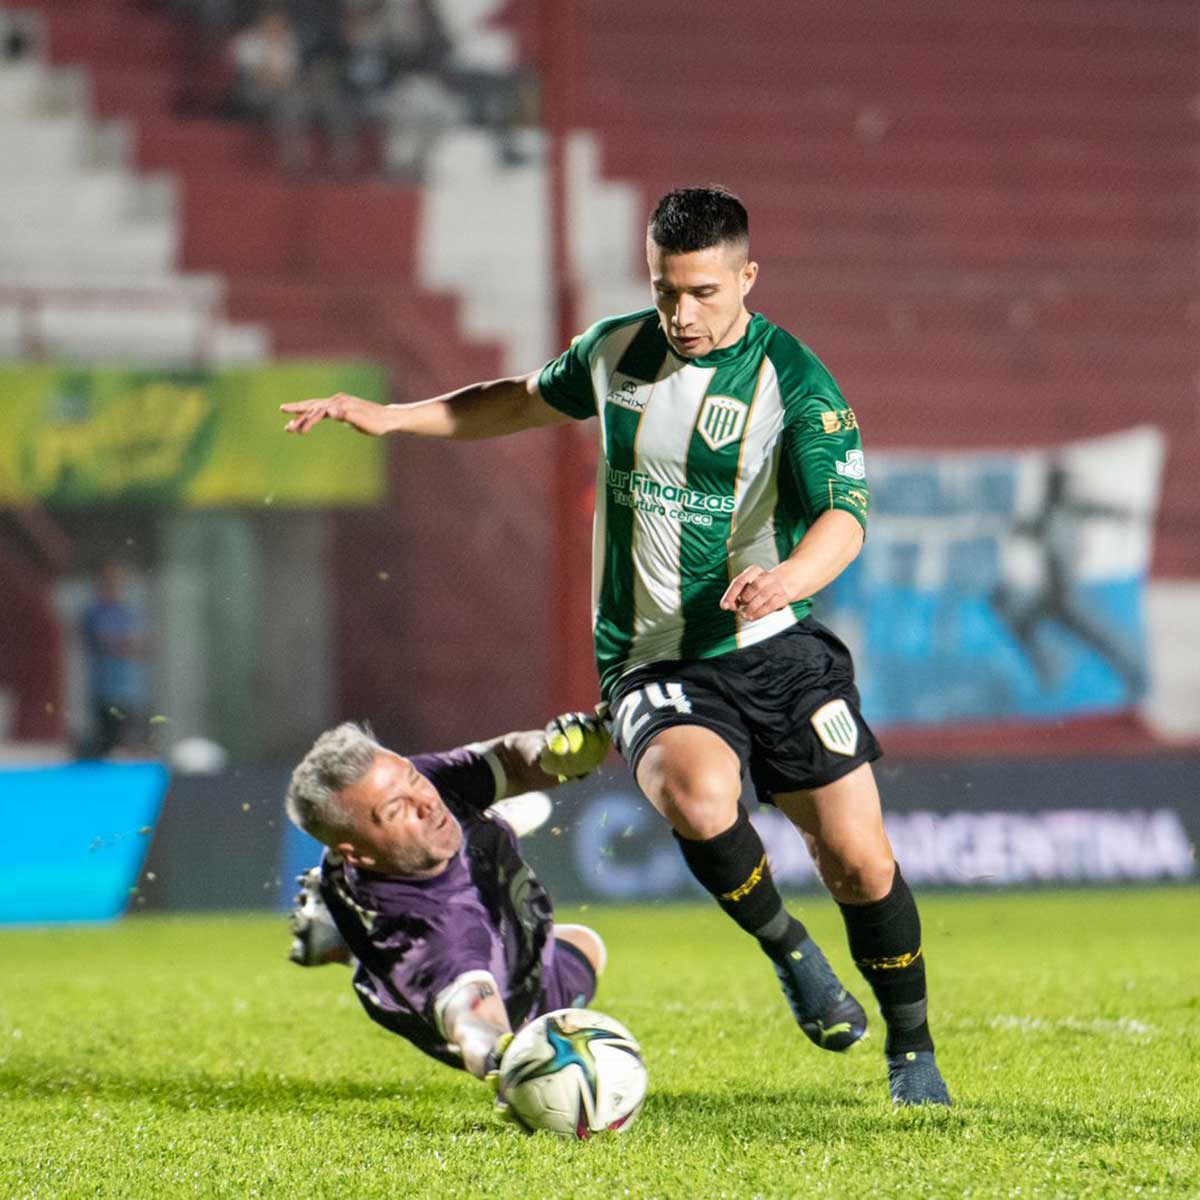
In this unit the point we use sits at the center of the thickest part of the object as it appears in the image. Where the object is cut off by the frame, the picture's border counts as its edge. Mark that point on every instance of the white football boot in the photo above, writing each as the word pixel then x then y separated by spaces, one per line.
pixel 315 938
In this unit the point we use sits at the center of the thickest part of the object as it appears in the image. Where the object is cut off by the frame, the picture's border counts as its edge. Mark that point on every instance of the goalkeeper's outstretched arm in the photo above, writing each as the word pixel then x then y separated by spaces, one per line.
pixel 570 747
pixel 481 410
pixel 470 1014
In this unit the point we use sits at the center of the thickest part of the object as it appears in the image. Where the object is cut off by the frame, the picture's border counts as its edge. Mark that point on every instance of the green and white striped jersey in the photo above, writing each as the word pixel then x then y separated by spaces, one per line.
pixel 707 466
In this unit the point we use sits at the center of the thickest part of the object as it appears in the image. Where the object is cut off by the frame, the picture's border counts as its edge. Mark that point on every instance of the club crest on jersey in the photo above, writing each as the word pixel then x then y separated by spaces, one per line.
pixel 722 420
pixel 836 728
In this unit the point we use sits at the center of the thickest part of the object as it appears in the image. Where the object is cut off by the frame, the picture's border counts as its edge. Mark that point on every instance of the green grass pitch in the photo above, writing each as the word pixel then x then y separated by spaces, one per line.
pixel 183 1056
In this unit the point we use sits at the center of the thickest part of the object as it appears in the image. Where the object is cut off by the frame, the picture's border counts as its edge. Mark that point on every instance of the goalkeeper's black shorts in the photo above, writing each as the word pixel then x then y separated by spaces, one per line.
pixel 787 707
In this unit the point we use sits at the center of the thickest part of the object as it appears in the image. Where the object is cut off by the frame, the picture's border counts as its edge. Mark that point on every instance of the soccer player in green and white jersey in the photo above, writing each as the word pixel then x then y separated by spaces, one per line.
pixel 731 489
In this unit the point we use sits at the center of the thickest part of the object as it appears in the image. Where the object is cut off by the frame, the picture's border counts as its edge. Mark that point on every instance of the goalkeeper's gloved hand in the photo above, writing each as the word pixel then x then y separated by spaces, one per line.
pixel 502 1109
pixel 576 744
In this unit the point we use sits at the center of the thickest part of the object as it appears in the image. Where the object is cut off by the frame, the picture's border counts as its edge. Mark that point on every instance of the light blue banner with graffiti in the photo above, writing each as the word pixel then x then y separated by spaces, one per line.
pixel 80 833
pixel 1000 586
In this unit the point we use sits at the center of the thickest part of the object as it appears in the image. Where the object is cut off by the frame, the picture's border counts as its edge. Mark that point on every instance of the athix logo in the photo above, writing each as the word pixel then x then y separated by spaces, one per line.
pixel 854 467
pixel 623 392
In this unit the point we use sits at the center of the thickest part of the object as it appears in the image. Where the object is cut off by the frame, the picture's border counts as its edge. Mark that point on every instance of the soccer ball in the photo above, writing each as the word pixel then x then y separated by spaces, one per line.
pixel 574 1072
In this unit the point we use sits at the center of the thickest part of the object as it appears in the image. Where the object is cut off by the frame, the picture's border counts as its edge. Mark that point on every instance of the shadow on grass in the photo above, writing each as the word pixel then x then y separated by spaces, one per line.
pixel 817 1113
pixel 829 1114
pixel 198 1091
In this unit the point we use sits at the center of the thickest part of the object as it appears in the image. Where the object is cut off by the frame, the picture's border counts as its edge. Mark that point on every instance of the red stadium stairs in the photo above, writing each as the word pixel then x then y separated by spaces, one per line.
pixel 326 266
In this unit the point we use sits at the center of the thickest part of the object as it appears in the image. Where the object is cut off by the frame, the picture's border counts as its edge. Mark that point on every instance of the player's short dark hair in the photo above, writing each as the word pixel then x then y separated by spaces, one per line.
pixel 695 218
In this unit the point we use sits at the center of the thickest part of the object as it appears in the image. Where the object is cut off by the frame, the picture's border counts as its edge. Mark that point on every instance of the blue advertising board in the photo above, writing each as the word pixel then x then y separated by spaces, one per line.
pixel 79 833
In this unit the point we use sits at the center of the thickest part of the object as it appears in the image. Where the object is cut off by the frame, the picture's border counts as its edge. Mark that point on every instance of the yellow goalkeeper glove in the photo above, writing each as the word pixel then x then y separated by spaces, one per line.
pixel 576 744
pixel 500 1106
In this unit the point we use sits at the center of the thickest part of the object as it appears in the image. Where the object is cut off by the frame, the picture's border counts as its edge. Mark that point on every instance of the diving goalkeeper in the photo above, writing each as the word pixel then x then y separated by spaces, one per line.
pixel 423 886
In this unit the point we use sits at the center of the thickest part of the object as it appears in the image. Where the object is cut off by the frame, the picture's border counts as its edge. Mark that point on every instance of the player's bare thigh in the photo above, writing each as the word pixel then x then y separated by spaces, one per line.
pixel 842 823
pixel 588 942
pixel 694 778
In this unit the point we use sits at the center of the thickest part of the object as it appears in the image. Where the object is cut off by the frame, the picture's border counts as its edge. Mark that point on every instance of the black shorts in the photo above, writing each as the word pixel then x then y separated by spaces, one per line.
pixel 787 707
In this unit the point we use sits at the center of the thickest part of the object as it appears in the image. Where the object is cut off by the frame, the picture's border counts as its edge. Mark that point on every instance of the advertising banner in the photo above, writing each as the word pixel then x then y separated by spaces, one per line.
pixel 223 841
pixel 80 834
pixel 995 825
pixel 1003 585
pixel 195 439
pixel 976 825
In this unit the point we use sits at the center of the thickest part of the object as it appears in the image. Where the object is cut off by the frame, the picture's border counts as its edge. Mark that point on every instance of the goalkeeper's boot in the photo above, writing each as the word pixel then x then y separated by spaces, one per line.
pixel 830 1017
pixel 315 938
pixel 914 1078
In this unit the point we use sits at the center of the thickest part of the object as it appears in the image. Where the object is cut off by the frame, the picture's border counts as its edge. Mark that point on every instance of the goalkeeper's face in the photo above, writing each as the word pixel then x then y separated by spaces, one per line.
pixel 395 821
pixel 701 295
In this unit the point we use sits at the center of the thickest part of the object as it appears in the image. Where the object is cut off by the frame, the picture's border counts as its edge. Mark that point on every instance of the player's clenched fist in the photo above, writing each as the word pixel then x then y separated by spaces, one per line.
pixel 754 593
pixel 363 415
pixel 576 744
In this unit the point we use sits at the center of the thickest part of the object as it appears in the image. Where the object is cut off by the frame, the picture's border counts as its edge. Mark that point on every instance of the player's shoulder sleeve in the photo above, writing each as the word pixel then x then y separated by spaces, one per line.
pixel 466 779
pixel 565 383
pixel 822 441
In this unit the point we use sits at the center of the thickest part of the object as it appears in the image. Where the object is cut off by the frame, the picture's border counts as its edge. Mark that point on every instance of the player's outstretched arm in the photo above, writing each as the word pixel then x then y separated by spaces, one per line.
pixel 831 544
pixel 482 410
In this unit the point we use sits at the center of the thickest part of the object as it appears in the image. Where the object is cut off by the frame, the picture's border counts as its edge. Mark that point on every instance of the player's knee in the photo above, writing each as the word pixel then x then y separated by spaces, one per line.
pixel 857 878
pixel 699 804
pixel 698 797
pixel 588 942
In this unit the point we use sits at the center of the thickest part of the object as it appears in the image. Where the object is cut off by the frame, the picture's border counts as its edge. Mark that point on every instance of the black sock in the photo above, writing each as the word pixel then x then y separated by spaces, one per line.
pixel 885 940
pixel 733 867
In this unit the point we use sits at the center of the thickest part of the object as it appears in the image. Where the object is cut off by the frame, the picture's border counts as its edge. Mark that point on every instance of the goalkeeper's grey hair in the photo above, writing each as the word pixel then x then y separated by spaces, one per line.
pixel 339 758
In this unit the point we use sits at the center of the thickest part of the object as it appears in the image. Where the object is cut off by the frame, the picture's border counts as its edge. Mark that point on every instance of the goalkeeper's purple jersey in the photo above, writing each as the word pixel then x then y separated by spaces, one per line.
pixel 414 937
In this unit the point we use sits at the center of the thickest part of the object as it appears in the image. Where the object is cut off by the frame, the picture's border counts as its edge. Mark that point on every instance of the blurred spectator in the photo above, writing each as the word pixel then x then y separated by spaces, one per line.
pixel 502 102
pixel 205 72
pixel 370 62
pixel 16 38
pixel 342 67
pixel 114 642
pixel 396 56
pixel 288 75
pixel 433 92
pixel 416 34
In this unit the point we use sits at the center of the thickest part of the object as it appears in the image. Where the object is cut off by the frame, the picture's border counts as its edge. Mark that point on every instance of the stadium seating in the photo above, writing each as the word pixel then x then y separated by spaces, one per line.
pixel 294 261
pixel 484 234
pixel 88 249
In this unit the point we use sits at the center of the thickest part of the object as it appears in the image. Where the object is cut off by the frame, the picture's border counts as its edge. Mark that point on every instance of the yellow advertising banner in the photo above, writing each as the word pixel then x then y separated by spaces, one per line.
pixel 195 439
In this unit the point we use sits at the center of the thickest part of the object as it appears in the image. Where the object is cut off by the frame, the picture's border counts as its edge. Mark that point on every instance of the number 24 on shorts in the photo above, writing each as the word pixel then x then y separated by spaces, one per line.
pixel 652 696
